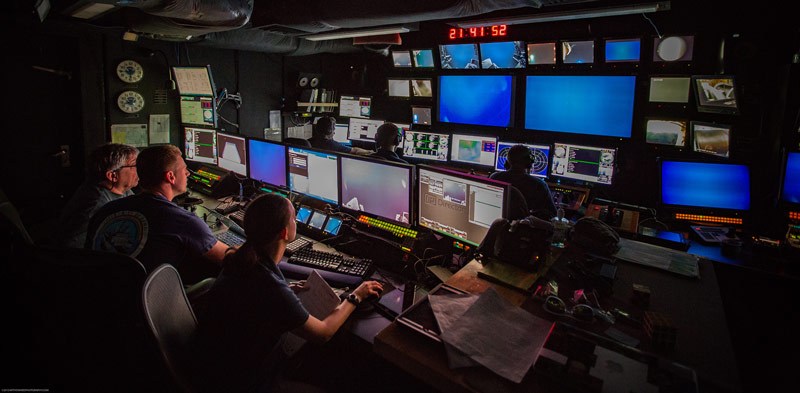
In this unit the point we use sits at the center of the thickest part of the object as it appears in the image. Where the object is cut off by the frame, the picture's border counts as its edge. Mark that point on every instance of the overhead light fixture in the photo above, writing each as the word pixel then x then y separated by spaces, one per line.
pixel 568 15
pixel 335 35
pixel 91 10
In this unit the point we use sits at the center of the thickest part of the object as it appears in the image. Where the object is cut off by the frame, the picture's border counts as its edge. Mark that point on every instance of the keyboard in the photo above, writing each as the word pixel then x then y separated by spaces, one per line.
pixel 296 244
pixel 238 217
pixel 331 262
pixel 230 238
pixel 711 234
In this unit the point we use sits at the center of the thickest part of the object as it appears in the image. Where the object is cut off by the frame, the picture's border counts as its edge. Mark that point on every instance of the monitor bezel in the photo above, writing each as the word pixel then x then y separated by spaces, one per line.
pixel 327 152
pixel 389 88
pixel 186 156
pixel 478 179
pixel 447 158
pixel 285 163
pixel 414 62
pixel 658 59
pixel 711 108
pixel 411 85
pixel 428 107
pixel 629 39
pixel 207 68
pixel 476 47
pixel 555 53
pixel 512 100
pixel 693 123
pixel 213 104
pixel 246 152
pixel 411 184
pixel 687 139
pixel 670 76
pixel 524 46
pixel 359 97
pixel 350 125
pixel 410 60
pixel 562 60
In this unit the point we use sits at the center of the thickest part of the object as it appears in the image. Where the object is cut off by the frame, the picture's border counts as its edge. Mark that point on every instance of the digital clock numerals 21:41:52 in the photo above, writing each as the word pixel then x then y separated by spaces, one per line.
pixel 483 31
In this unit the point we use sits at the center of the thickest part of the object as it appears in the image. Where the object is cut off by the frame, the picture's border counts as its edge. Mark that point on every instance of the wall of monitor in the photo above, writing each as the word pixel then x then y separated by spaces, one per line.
pixel 623 89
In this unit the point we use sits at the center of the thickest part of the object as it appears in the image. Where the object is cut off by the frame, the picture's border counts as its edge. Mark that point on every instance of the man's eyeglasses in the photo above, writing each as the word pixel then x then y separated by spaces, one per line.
pixel 126 166
pixel 581 312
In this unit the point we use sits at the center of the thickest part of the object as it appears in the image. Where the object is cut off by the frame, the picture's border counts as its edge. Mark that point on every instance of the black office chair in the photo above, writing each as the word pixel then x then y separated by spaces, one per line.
pixel 173 324
pixel 299 142
pixel 13 234
pixel 85 317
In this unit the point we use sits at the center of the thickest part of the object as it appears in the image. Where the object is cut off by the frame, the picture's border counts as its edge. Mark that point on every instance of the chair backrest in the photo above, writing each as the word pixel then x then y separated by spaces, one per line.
pixel 13 234
pixel 172 322
pixel 85 313
pixel 299 142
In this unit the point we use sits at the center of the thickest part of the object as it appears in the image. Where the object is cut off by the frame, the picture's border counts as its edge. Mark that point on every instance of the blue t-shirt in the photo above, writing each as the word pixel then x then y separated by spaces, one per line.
pixel 74 219
pixel 535 190
pixel 153 230
pixel 242 322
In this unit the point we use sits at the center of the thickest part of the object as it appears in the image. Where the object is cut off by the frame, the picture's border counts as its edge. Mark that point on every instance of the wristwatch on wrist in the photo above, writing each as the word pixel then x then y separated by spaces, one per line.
pixel 353 298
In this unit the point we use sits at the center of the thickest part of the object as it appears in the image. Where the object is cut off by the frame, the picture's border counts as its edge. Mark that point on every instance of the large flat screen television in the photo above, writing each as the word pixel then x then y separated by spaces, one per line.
pixel 593 105
pixel 705 185
pixel 484 100
pixel 267 162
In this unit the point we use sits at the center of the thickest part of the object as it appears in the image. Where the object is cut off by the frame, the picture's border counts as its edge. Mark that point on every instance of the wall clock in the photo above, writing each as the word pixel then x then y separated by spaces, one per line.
pixel 130 71
pixel 130 102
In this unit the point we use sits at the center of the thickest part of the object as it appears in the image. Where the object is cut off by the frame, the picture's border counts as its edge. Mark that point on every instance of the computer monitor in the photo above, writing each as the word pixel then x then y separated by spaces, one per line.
pixel 584 163
pixel 421 115
pixel 303 214
pixel 705 185
pixel 194 81
pixel 198 111
pixel 669 89
pixel 623 50
pixel 472 149
pixel 340 134
pixel 403 128
pixel 423 58
pixel 593 105
pixel 459 205
pixel 422 87
pixel 267 162
pixel 232 153
pixel 715 94
pixel 666 132
pixel 673 48
pixel 401 58
pixel 363 130
pixel 476 99
pixel 542 53
pixel 459 56
pixel 350 106
pixel 503 55
pixel 314 173
pixel 539 153
pixel 577 52
pixel 425 145
pixel 399 88
pixel 709 138
pixel 378 188
pixel 201 145
pixel 790 191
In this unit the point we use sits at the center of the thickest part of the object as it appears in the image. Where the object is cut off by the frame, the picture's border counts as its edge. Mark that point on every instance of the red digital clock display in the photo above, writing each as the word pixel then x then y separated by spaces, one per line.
pixel 477 32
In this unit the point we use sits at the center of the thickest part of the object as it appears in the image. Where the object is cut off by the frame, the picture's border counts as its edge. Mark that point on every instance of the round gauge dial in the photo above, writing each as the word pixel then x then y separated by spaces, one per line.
pixel 607 157
pixel 130 102
pixel 130 71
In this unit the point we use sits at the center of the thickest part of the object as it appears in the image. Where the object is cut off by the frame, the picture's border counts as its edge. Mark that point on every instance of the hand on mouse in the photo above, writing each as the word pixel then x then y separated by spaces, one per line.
pixel 368 289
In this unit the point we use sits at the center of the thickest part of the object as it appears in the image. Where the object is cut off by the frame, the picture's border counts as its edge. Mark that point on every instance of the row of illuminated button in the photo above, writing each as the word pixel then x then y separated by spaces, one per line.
pixel 396 229
pixel 695 217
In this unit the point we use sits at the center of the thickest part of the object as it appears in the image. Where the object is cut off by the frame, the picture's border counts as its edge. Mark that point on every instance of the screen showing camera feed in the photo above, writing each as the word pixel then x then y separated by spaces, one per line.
pixel 421 115
pixel 577 52
pixel 542 53
pixel 232 153
pixel 423 58
pixel 622 50
pixel 401 58
pixel 459 56
pixel 674 48
pixel 380 189
pixel 472 149
pixel 666 132
pixel 503 55
pixel 715 94
pixel 712 139
pixel 421 88
pixel 669 89
pixel 399 88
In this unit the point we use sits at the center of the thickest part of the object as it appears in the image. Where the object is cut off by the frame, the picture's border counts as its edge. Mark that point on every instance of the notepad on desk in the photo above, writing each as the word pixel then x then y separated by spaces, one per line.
pixel 659 257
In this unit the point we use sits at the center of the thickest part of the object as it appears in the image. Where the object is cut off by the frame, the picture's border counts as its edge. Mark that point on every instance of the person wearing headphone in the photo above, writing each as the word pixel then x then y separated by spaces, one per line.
pixel 387 138
pixel 535 190
pixel 322 138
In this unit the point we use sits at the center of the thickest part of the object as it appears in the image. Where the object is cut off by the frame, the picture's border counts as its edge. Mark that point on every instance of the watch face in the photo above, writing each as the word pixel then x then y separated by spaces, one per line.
pixel 130 71
pixel 130 102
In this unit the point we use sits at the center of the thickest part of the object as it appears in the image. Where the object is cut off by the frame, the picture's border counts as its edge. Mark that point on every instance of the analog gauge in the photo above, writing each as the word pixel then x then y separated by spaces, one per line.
pixel 607 157
pixel 130 102
pixel 561 151
pixel 130 71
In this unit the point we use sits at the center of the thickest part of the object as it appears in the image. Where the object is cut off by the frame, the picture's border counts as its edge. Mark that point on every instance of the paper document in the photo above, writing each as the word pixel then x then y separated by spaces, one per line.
pixel 447 309
pixel 659 257
pixel 318 298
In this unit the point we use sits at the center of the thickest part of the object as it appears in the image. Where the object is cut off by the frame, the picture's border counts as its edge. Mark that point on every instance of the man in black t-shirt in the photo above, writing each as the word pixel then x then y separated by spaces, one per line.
pixel 387 138
pixel 537 194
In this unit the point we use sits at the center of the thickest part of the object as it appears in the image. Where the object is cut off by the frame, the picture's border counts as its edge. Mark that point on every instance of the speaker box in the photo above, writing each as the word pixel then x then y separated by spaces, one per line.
pixel 307 80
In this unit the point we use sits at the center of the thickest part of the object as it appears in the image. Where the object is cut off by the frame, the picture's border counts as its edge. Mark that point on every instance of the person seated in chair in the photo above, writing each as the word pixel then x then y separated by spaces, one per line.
pixel 322 138
pixel 152 228
pixel 251 308
pixel 387 138
pixel 110 175
pixel 535 190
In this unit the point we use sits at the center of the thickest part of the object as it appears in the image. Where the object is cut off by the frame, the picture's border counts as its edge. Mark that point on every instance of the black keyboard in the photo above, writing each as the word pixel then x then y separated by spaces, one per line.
pixel 331 262
pixel 238 217
pixel 297 243
pixel 230 238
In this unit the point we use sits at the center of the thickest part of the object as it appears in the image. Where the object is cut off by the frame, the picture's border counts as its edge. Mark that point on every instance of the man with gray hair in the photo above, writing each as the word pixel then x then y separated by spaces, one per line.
pixel 110 174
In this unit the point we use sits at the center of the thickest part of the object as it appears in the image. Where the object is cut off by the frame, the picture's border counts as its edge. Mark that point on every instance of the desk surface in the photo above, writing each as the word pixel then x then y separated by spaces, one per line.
pixel 695 306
